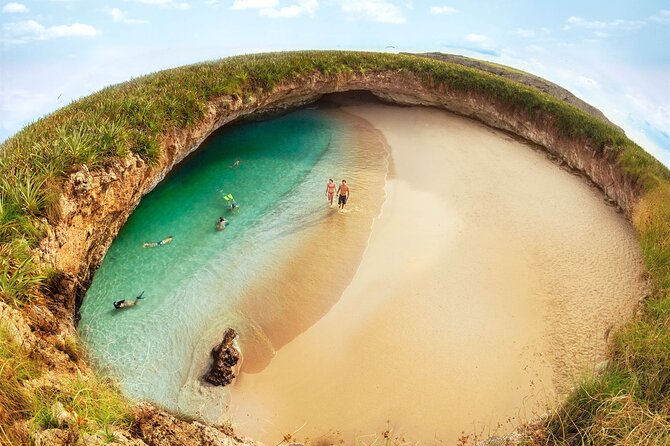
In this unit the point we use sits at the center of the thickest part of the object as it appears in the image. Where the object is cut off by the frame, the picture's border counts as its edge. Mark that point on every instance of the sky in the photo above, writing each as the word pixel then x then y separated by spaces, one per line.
pixel 614 54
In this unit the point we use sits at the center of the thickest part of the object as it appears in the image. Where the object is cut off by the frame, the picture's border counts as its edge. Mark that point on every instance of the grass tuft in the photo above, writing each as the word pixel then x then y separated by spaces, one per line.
pixel 83 405
pixel 20 277
pixel 16 367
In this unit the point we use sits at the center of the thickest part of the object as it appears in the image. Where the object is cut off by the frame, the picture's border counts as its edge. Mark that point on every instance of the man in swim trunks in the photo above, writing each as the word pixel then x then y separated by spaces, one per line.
pixel 330 191
pixel 343 192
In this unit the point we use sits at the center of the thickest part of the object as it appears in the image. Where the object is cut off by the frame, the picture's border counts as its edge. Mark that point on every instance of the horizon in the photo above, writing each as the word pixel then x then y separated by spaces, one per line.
pixel 57 51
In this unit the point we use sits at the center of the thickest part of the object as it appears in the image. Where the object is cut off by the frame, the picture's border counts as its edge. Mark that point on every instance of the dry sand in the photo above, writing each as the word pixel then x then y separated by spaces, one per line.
pixel 490 279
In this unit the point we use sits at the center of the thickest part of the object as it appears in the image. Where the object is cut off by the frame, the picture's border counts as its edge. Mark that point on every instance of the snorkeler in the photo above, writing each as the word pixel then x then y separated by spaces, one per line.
pixel 231 202
pixel 165 241
pixel 221 224
pixel 126 303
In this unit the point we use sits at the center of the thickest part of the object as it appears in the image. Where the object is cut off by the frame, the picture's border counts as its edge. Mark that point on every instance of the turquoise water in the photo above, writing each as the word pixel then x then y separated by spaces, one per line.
pixel 158 348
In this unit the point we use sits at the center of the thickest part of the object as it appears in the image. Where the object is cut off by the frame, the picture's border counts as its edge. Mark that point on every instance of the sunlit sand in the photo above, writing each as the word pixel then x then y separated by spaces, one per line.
pixel 489 283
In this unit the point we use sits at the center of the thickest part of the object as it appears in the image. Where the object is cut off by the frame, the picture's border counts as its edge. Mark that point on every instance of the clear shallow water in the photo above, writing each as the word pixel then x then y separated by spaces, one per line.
pixel 193 286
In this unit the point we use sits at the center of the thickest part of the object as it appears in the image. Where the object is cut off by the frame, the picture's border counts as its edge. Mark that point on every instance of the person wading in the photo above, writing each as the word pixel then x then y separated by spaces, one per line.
pixel 343 193
pixel 330 191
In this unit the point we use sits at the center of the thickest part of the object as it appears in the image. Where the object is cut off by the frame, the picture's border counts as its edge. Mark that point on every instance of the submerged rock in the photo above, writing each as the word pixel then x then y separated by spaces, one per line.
pixel 226 356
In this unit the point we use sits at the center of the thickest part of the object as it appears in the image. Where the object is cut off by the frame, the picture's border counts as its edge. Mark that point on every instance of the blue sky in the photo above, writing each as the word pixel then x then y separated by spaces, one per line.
pixel 614 54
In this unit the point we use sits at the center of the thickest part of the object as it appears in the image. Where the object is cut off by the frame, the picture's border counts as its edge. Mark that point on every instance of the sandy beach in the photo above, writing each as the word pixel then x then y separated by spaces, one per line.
pixel 489 282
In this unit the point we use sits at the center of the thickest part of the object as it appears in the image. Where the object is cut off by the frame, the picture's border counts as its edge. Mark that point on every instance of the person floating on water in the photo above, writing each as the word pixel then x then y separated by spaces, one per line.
pixel 126 303
pixel 231 202
pixel 165 241
pixel 343 193
pixel 221 224
pixel 330 191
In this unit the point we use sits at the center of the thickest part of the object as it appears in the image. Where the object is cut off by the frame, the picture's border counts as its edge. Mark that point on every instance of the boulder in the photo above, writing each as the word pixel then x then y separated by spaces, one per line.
pixel 225 357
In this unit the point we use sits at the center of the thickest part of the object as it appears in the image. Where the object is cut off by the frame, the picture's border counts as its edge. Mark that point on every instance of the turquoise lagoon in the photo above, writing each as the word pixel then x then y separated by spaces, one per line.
pixel 194 286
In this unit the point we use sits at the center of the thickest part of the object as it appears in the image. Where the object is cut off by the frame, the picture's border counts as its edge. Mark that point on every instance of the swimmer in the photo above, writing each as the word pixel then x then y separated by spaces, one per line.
pixel 221 224
pixel 127 303
pixel 235 164
pixel 165 241
pixel 230 199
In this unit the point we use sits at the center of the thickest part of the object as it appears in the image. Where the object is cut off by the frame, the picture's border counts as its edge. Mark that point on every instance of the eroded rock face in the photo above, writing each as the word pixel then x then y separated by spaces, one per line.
pixel 225 357
pixel 158 428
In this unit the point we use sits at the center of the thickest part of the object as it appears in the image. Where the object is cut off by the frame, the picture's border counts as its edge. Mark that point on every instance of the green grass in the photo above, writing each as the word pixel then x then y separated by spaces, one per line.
pixel 98 408
pixel 136 116
pixel 94 406
pixel 20 277
pixel 15 400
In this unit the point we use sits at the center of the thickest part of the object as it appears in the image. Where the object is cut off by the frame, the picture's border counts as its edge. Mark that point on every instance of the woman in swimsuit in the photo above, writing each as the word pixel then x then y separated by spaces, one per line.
pixel 330 191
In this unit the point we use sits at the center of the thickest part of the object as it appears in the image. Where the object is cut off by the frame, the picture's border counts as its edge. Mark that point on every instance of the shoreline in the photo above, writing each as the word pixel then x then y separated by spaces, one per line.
pixel 321 265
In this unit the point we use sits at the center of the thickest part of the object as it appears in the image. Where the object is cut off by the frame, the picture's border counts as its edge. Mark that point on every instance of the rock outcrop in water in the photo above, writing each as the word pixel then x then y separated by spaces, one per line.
pixel 225 358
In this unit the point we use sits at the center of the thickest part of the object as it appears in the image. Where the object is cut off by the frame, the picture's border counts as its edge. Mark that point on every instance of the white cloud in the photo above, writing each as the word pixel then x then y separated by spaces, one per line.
pixel 19 105
pixel 476 38
pixel 662 17
pixel 588 82
pixel 122 17
pixel 657 115
pixel 574 22
pixel 254 4
pixel 29 30
pixel 525 33
pixel 443 10
pixel 600 34
pixel 579 22
pixel 626 24
pixel 375 10
pixel 13 8
pixel 117 14
pixel 166 4
pixel 302 7
pixel 480 44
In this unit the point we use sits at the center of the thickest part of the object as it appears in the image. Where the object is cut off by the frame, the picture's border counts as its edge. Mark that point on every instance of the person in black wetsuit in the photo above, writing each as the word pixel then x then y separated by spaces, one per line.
pixel 126 303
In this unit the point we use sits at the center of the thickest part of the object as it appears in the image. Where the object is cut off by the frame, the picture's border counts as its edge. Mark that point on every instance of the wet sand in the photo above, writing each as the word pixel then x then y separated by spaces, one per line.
pixel 324 257
pixel 489 282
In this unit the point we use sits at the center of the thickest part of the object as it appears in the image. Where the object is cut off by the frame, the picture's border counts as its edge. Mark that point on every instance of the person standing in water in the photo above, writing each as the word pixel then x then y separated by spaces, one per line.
pixel 343 194
pixel 330 191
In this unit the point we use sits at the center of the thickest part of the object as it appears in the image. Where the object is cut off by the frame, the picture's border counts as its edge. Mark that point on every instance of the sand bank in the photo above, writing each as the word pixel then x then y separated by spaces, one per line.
pixel 489 282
